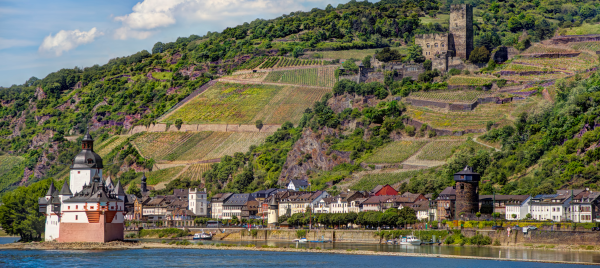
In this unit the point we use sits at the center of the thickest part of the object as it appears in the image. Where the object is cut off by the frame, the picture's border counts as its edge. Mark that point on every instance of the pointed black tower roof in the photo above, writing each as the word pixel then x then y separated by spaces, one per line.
pixel 87 136
pixel 119 189
pixel 65 189
pixel 51 190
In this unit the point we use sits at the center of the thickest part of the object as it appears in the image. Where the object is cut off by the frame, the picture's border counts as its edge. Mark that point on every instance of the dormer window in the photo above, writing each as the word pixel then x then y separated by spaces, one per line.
pixel 90 161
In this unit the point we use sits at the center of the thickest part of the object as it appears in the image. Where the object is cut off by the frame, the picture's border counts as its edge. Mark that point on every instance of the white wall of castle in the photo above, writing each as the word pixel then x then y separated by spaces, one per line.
pixel 273 216
pixel 81 177
pixel 52 226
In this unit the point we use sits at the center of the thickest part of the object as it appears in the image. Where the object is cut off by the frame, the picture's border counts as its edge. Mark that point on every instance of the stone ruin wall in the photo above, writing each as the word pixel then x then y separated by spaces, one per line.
pixel 561 40
pixel 461 29
pixel 433 44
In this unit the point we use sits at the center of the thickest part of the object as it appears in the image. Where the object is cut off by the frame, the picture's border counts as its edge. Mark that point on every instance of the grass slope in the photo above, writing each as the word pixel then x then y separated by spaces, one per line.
pixel 7 163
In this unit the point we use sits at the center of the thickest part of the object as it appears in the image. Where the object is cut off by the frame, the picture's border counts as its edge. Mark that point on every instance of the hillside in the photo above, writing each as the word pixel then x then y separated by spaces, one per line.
pixel 265 100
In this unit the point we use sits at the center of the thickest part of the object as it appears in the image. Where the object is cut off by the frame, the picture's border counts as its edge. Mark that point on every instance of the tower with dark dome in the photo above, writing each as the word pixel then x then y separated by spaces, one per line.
pixel 86 165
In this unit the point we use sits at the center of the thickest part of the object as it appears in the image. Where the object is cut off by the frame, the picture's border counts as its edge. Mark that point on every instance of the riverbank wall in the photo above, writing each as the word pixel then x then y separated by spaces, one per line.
pixel 516 237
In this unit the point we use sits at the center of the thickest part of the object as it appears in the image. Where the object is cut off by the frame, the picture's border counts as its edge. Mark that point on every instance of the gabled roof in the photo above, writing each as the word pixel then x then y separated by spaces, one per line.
pixel 377 189
pixel 299 183
pixel 119 189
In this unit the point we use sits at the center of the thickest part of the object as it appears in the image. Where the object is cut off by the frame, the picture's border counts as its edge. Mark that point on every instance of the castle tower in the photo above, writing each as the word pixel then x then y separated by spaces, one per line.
pixel 143 184
pixel 273 217
pixel 461 29
pixel 86 165
pixel 197 202
pixel 467 196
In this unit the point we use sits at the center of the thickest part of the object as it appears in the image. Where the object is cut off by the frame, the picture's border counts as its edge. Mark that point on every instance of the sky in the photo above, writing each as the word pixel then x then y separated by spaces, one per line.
pixel 40 37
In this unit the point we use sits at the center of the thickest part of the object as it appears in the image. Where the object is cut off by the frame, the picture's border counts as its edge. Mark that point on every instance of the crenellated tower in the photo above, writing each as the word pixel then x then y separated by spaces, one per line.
pixel 461 30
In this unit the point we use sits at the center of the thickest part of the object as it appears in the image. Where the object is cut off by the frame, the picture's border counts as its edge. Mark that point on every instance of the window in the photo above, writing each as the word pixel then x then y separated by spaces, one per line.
pixel 443 45
pixel 436 44
pixel 428 45
pixel 69 207
pixel 90 161
pixel 76 217
pixel 78 172
pixel 76 207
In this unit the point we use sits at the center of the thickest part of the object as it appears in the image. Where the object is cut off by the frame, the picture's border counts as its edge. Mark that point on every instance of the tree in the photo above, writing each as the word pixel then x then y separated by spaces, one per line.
pixel 19 213
pixel 297 52
pixel 178 123
pixel 407 215
pixel 415 53
pixel 387 55
pixel 259 124
pixel 514 216
pixel 134 190
pixel 479 55
pixel 427 65
pixel 367 61
pixel 528 216
pixel 234 220
pixel 158 48
pixel 478 214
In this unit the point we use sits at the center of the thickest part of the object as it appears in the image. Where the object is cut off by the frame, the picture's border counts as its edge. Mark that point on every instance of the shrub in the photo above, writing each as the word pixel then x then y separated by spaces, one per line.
pixel 454 71
pixel 254 233
pixel 496 242
pixel 410 130
pixel 301 233
pixel 480 240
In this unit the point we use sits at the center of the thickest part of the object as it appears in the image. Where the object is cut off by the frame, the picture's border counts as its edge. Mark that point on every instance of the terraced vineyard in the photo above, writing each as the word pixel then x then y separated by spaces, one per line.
pixel 575 64
pixel 167 174
pixel 195 171
pixel 438 150
pixel 226 103
pixel 538 49
pixel 107 146
pixel 168 145
pixel 270 63
pixel 289 62
pixel 461 80
pixel 589 46
pixel 515 67
pixel 467 96
pixel 236 142
pixel 195 146
pixel 395 152
pixel 323 77
pixel 369 181
pixel 475 119
pixel 252 63
pixel 289 104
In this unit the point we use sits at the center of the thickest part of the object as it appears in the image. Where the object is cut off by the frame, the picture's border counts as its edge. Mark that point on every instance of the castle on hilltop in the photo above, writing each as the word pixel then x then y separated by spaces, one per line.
pixel 88 209
pixel 450 50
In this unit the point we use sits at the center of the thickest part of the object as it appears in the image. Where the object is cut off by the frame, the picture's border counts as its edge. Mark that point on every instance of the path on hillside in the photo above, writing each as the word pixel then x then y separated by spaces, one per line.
pixel 241 81
pixel 414 162
pixel 489 146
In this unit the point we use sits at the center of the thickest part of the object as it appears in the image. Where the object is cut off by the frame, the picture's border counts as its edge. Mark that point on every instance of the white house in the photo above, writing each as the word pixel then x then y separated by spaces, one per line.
pixel 297 185
pixel 519 208
pixel 552 207
pixel 233 205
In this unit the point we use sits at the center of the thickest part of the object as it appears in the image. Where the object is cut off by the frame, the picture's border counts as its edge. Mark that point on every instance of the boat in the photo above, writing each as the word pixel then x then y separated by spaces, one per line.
pixel 392 241
pixel 301 240
pixel 203 236
pixel 322 240
pixel 410 240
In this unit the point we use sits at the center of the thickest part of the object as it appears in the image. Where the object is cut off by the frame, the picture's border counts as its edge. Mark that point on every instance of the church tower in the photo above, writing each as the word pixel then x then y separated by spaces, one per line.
pixel 85 166
pixel 461 29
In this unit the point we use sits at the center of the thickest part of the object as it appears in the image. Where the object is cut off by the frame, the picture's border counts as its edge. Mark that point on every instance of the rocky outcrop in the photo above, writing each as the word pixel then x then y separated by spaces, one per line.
pixel 310 152
pixel 341 102
pixel 39 93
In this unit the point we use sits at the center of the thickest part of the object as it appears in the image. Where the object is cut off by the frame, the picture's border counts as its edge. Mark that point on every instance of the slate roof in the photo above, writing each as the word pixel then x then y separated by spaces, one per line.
pixel 65 189
pixel 299 183
pixel 51 190
pixel 95 192
pixel 238 200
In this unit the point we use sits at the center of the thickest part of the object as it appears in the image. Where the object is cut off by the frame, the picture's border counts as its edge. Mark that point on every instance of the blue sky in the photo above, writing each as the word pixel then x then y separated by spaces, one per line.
pixel 40 37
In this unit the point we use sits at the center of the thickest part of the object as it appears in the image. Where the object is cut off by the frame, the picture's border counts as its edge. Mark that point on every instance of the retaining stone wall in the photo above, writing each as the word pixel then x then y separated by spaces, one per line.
pixel 204 127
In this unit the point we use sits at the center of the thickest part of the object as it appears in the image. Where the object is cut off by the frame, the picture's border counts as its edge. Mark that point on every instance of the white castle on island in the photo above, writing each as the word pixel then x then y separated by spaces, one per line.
pixel 88 209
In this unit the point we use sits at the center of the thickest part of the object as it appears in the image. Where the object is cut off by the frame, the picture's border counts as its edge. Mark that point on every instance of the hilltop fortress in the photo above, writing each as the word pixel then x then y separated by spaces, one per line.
pixel 450 50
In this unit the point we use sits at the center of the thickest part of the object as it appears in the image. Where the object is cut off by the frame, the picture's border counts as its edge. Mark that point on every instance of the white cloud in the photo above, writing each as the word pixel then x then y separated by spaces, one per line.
pixel 66 40
pixel 153 14
pixel 8 43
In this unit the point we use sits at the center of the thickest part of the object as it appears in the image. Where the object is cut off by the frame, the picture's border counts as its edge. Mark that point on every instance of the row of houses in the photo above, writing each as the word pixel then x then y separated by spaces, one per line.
pixel 580 205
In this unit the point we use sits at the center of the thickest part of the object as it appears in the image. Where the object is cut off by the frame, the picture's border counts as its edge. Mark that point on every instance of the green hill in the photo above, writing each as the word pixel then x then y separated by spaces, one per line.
pixel 137 90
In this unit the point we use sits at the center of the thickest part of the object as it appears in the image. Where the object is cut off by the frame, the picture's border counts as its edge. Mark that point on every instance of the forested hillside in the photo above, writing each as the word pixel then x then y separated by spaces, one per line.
pixel 42 120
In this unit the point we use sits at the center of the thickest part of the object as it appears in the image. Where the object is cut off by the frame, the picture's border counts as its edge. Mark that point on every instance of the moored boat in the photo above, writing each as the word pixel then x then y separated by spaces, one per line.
pixel 301 240
pixel 410 240
pixel 203 236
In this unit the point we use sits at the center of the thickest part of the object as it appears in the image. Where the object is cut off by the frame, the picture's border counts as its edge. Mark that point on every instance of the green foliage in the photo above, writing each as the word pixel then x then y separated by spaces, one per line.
pixel 166 232
pixel 386 55
pixel 301 233
pixel 19 212
pixel 415 53
pixel 134 190
pixel 480 55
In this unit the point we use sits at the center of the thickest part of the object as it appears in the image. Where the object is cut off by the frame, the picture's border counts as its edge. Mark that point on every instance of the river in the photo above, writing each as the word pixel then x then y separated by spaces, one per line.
pixel 241 258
